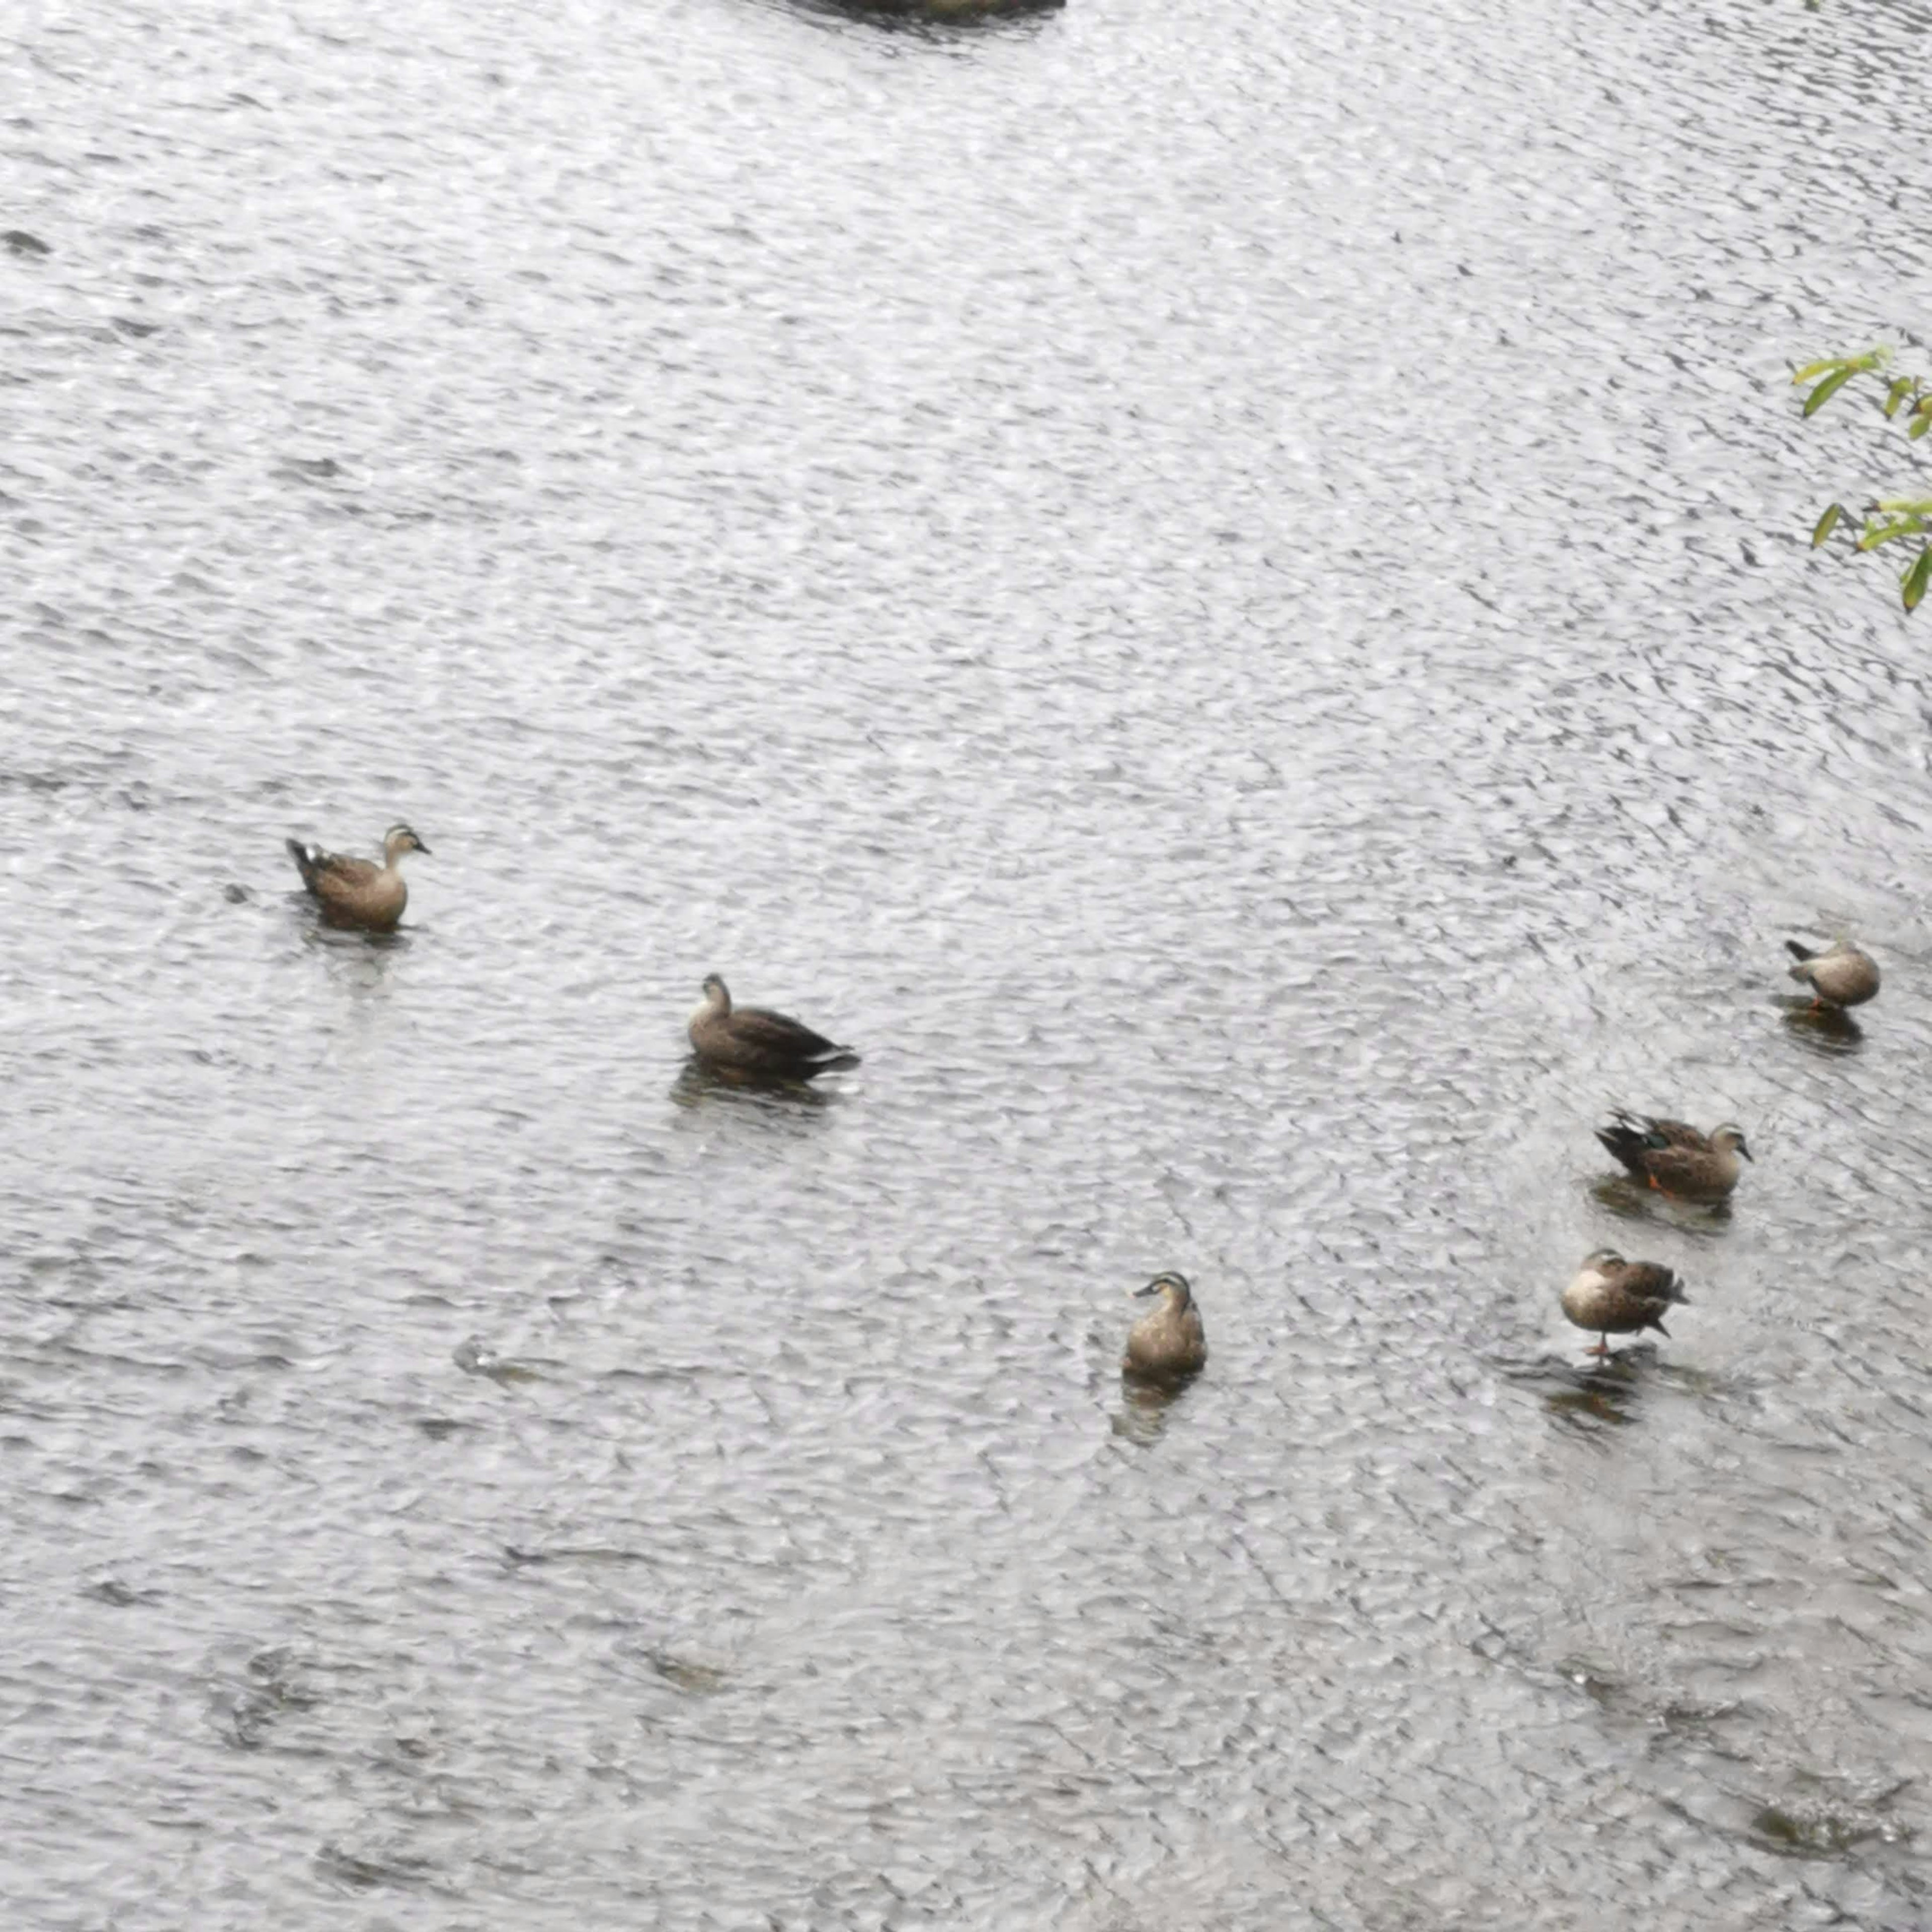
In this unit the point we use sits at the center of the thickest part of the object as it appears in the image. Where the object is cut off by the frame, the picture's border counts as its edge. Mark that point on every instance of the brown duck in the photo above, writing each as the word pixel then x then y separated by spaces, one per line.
pixel 1614 1296
pixel 358 891
pixel 1168 1344
pixel 1674 1157
pixel 752 1043
pixel 1840 976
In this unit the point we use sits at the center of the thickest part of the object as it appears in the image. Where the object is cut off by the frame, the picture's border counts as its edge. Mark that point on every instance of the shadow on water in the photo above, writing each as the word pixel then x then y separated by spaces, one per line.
pixel 1629 1200
pixel 1824 1030
pixel 1611 1391
pixel 319 929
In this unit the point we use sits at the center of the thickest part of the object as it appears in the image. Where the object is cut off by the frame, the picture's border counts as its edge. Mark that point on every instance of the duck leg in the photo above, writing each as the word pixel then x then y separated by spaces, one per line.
pixel 1602 1347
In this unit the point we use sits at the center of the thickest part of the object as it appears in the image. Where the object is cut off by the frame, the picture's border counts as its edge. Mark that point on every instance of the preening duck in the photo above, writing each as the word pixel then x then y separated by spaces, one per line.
pixel 1614 1296
pixel 1839 976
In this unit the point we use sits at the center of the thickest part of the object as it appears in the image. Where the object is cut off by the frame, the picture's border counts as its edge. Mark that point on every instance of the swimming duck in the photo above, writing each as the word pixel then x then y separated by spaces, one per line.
pixel 1840 976
pixel 1167 1345
pixel 750 1043
pixel 1614 1296
pixel 358 891
pixel 1674 1157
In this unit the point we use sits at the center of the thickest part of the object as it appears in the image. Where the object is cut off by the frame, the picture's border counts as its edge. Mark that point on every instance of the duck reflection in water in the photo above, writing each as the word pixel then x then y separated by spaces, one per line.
pixel 1141 1417
pixel 1830 1030
pixel 698 1082
pixel 1606 1391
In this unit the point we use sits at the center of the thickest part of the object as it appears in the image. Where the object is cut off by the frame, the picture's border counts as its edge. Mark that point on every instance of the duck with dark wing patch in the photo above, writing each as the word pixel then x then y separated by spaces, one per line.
pixel 1674 1157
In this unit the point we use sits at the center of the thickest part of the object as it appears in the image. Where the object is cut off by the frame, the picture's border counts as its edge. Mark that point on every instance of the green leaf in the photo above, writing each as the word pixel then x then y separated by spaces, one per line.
pixel 1827 389
pixel 1920 423
pixel 1826 524
pixel 1875 534
pixel 1896 392
pixel 1907 506
pixel 1917 578
pixel 1815 369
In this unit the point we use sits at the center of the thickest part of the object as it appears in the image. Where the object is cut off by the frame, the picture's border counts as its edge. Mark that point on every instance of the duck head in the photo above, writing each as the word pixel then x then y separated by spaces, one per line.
pixel 1173 1286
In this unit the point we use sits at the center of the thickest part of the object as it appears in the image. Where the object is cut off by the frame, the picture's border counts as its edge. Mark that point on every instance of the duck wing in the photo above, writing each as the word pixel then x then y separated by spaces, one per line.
pixel 1650 1284
pixel 320 869
pixel 1660 1132
pixel 1682 1170
pixel 778 1036
pixel 344 871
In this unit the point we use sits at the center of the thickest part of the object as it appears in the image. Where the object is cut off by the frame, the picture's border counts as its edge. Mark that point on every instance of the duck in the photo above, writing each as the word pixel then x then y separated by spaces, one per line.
pixel 358 891
pixel 753 1043
pixel 1840 975
pixel 1614 1296
pixel 1674 1157
pixel 1168 1344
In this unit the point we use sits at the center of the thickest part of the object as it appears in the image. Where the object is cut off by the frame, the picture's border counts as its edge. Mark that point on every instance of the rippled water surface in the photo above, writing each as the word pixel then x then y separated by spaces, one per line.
pixel 1225 596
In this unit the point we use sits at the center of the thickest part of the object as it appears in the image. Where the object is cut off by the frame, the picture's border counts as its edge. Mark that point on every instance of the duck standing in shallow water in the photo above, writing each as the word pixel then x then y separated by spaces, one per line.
pixel 1840 976
pixel 1614 1296
pixel 358 891
pixel 1674 1157
pixel 752 1043
pixel 1168 1344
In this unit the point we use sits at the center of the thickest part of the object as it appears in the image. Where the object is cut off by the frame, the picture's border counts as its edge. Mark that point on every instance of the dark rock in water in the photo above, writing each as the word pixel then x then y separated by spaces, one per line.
pixel 21 243
pixel 236 895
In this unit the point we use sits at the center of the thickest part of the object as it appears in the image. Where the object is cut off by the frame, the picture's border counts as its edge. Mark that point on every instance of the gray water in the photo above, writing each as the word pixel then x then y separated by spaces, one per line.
pixel 1223 594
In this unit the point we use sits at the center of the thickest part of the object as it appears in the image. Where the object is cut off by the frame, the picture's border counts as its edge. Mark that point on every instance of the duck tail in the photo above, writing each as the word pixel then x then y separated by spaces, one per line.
pixel 1800 952
pixel 835 1060
pixel 1624 1143
pixel 305 857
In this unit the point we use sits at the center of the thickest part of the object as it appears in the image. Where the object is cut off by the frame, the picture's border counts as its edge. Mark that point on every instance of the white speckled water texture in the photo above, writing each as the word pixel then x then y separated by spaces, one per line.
pixel 1223 594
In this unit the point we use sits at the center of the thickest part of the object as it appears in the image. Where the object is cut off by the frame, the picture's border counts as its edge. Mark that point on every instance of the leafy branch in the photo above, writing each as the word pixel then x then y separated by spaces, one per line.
pixel 1891 517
